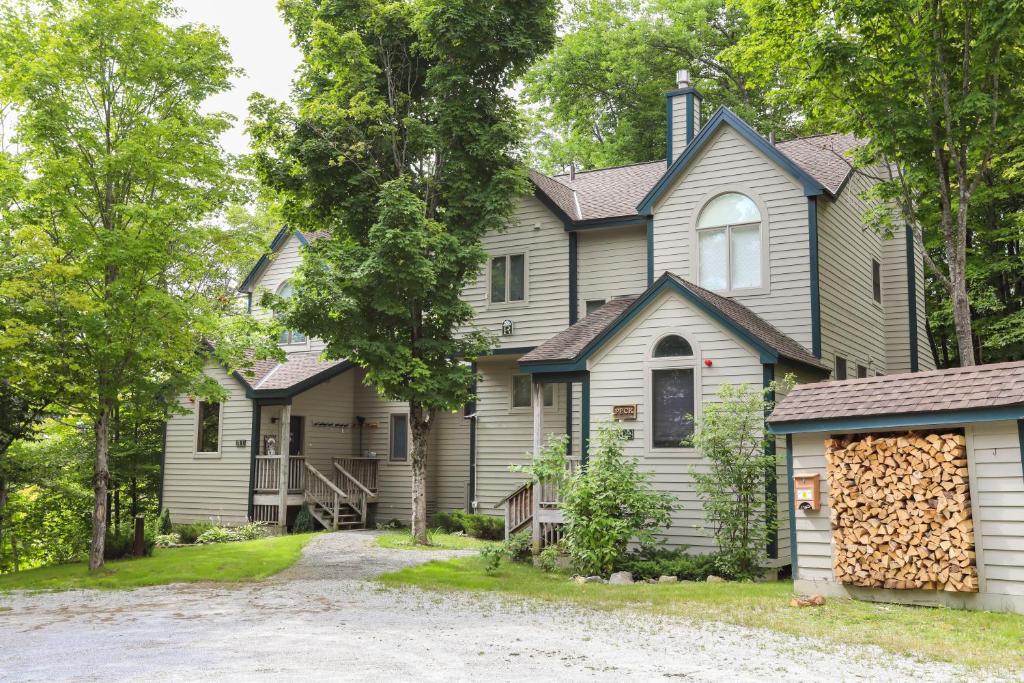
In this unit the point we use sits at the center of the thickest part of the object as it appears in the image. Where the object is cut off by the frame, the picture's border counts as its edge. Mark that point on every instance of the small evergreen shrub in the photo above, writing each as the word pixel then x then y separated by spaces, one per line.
pixel 447 522
pixel 651 563
pixel 484 527
pixel 190 532
pixel 163 522
pixel 304 522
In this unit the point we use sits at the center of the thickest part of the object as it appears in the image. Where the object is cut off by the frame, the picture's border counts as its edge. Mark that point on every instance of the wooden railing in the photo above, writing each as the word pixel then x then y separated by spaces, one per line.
pixel 550 495
pixel 363 470
pixel 358 496
pixel 267 476
pixel 321 491
pixel 518 508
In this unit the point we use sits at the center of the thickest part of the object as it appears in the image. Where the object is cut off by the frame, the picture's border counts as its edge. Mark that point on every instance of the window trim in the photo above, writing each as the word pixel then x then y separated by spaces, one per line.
pixel 526 279
pixel 651 364
pixel 290 344
pixel 587 302
pixel 512 394
pixel 196 428
pixel 391 438
pixel 763 226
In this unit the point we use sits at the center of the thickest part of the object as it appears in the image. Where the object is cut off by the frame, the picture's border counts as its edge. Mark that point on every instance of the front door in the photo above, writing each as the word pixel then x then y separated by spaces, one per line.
pixel 295 435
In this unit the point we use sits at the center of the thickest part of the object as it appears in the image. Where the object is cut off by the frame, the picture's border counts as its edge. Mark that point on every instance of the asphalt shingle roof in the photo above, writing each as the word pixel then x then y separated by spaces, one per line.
pixel 823 157
pixel 269 375
pixel 980 386
pixel 568 345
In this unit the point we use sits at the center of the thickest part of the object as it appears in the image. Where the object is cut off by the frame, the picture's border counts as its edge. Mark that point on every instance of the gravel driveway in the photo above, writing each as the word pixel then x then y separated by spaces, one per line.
pixel 322 620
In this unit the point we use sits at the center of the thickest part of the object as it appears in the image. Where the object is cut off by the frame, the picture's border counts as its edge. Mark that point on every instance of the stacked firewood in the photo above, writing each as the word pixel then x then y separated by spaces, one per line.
pixel 901 512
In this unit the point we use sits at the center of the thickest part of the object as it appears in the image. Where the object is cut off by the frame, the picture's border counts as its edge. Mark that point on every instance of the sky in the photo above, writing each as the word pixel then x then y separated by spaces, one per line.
pixel 259 43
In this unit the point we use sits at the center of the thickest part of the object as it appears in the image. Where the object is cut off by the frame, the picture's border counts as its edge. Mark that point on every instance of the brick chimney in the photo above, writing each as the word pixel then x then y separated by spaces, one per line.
pixel 684 104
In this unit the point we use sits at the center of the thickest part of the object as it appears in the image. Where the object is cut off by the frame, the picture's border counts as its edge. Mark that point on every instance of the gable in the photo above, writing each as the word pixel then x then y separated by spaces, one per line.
pixel 285 240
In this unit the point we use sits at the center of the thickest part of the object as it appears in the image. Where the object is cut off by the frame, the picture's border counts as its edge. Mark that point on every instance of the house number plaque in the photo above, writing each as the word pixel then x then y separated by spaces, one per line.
pixel 624 412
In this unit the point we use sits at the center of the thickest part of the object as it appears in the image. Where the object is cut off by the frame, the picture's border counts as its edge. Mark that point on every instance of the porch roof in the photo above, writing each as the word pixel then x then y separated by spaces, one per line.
pixel 300 371
pixel 572 346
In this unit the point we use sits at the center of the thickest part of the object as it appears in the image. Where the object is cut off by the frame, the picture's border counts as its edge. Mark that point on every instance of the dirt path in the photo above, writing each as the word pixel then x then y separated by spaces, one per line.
pixel 323 620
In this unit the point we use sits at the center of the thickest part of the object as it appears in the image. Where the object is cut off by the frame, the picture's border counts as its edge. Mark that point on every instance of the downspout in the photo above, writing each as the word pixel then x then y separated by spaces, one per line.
pixel 812 237
pixel 471 416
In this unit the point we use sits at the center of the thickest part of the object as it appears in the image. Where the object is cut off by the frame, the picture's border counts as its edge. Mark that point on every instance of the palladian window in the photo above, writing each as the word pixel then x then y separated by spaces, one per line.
pixel 729 243
pixel 286 291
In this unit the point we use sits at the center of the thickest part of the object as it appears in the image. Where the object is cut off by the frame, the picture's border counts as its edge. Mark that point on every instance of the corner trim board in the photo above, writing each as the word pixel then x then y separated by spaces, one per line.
pixel 650 251
pixel 574 303
pixel 812 242
pixel 771 480
pixel 585 421
pixel 912 299
pixel 793 555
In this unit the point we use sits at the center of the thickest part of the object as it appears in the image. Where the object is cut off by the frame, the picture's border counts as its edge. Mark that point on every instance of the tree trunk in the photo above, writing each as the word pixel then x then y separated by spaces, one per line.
pixel 100 480
pixel 420 423
pixel 962 322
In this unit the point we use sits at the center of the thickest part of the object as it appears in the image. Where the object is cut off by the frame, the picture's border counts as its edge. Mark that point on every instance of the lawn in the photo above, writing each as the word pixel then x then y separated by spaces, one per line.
pixel 244 561
pixel 977 639
pixel 439 540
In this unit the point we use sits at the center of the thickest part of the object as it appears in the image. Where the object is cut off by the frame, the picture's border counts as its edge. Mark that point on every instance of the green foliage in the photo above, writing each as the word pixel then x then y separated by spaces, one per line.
pixel 163 523
pixel 486 527
pixel 218 534
pixel 516 548
pixel 121 545
pixel 730 435
pixel 491 556
pixel 304 522
pixel 598 98
pixel 550 465
pixel 610 503
pixel 191 532
pixel 650 563
pixel 549 559
pixel 167 540
pixel 447 522
pixel 252 531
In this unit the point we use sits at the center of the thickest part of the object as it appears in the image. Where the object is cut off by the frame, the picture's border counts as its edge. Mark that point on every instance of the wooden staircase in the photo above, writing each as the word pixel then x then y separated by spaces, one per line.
pixel 337 502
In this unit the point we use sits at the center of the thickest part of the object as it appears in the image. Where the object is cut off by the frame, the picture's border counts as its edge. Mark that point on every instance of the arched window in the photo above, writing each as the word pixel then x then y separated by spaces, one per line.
pixel 729 237
pixel 287 291
pixel 672 346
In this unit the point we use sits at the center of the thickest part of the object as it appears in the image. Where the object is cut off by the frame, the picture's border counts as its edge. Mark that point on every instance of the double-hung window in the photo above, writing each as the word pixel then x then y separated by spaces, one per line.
pixel 673 382
pixel 508 278
pixel 208 428
pixel 522 392
pixel 729 243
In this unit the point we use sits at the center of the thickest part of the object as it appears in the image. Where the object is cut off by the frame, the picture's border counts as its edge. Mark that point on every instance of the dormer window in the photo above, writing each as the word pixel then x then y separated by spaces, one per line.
pixel 729 243
pixel 289 337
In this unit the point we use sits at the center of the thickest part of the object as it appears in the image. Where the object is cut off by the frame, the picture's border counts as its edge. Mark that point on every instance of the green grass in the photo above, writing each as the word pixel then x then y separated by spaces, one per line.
pixel 223 562
pixel 439 540
pixel 976 639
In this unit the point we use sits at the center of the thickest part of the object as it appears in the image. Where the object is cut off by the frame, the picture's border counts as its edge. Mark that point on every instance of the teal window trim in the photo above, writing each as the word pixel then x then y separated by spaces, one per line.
pixel 812 243
pixel 912 299
pixel 771 479
pixel 898 420
pixel 650 251
pixel 793 555
pixel 668 130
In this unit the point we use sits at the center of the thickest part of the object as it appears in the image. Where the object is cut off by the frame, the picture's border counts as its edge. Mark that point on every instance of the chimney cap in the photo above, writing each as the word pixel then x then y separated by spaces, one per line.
pixel 683 78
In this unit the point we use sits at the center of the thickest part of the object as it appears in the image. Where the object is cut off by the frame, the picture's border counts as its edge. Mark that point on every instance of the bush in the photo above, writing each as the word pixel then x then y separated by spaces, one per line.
pixel 167 540
pixel 484 527
pixel 609 504
pixel 163 522
pixel 651 563
pixel 120 546
pixel 730 436
pixel 191 532
pixel 304 522
pixel 447 522
pixel 218 534
pixel 548 558
pixel 515 549
pixel 393 523
pixel 491 556
pixel 252 531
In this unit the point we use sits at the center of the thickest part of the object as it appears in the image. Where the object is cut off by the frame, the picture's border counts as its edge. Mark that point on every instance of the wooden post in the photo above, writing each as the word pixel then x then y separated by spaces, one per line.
pixel 282 477
pixel 139 549
pixel 538 432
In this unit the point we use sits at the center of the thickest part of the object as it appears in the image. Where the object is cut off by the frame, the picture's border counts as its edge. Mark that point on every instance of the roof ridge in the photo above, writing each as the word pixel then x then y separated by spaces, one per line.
pixel 609 168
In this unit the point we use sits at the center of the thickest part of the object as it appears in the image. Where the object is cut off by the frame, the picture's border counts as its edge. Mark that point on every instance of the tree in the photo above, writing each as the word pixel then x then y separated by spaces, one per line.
pixel 403 147
pixel 598 98
pixel 930 85
pixel 731 437
pixel 115 172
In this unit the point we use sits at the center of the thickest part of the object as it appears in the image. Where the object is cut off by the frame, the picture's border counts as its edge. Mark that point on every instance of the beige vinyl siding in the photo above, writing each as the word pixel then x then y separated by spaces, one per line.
pixel 505 434
pixel 679 125
pixel 618 375
pixel 394 479
pixel 729 163
pixel 894 301
pixel 448 464
pixel 205 487
pixel 538 234
pixel 852 322
pixel 330 402
pixel 611 262
pixel 925 358
pixel 813 529
pixel 281 268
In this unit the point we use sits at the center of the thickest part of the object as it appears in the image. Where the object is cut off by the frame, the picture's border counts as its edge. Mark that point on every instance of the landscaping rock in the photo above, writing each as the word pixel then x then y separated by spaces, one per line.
pixel 621 578
pixel 715 579
pixel 668 579
pixel 588 579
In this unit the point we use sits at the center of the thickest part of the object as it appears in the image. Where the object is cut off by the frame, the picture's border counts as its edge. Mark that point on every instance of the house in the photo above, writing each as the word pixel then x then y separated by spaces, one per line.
pixel 635 290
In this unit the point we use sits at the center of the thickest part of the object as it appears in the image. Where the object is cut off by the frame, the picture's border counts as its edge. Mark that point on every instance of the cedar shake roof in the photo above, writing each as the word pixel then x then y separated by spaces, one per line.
pixel 299 367
pixel 570 344
pixel 980 386
pixel 616 192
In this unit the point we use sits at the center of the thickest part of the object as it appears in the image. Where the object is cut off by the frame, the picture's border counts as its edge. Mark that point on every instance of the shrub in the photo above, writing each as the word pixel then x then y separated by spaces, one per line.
pixel 393 523
pixel 304 522
pixel 190 532
pixel 120 546
pixel 483 527
pixel 651 563
pixel 548 558
pixel 491 556
pixel 447 522
pixel 163 522
pixel 519 546
pixel 167 540
pixel 731 437
pixel 609 504
pixel 252 530
pixel 218 534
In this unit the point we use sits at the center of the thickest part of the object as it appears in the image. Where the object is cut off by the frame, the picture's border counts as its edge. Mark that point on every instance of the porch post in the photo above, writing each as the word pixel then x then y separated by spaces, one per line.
pixel 538 428
pixel 282 476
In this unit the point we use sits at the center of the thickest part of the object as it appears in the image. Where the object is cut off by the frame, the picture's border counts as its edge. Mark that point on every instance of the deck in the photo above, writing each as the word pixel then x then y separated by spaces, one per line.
pixel 337 495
